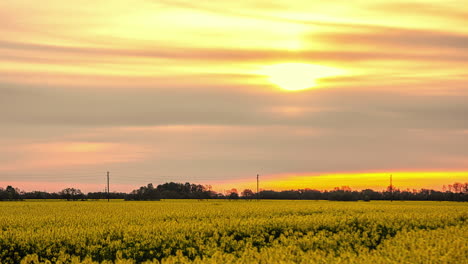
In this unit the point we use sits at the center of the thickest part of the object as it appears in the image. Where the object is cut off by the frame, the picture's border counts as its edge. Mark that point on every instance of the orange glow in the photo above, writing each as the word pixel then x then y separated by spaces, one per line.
pixel 74 154
pixel 355 180
pixel 79 147
pixel 297 76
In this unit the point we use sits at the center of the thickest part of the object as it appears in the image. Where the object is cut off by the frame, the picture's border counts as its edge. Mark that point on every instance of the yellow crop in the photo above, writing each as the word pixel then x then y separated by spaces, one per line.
pixel 190 231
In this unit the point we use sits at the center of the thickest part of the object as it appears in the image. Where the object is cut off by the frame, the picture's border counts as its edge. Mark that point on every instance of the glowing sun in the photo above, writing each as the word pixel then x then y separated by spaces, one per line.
pixel 297 76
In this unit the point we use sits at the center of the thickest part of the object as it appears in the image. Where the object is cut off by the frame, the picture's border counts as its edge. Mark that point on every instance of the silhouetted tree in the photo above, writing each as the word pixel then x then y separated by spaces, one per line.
pixel 103 195
pixel 248 194
pixel 12 194
pixel 171 190
pixel 72 194
pixel 233 196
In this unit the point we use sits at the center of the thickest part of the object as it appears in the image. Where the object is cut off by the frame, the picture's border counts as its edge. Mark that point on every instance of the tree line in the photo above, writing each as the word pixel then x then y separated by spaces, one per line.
pixel 172 190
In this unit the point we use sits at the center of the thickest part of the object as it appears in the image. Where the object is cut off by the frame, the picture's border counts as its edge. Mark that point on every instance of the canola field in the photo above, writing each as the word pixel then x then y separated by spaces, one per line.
pixel 190 231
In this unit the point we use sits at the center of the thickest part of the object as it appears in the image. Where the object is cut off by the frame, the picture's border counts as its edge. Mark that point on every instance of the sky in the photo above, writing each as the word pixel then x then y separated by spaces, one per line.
pixel 308 94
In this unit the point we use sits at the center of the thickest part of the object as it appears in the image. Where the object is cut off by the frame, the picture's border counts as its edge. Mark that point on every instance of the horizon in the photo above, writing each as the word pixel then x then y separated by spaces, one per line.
pixel 315 182
pixel 303 93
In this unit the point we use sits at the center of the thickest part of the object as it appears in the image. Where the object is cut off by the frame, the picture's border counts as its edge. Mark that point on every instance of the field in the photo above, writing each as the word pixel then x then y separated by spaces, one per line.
pixel 233 232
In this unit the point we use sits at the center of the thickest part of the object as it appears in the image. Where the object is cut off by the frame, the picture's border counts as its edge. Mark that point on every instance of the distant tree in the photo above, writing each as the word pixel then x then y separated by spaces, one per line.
pixel 72 194
pixel 172 190
pixel 38 195
pixel 233 196
pixel 458 187
pixel 340 195
pixel 456 192
pixel 309 194
pixel 146 193
pixel 369 194
pixel 12 194
pixel 229 192
pixel 248 194
pixel 346 188
pixel 103 195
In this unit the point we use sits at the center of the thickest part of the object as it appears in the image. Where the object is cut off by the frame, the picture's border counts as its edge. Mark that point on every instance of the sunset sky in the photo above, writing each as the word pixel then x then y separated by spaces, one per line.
pixel 312 94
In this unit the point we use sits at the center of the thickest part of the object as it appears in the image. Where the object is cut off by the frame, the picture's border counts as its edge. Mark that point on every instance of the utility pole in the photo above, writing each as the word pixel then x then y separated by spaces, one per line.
pixel 258 194
pixel 107 186
pixel 391 188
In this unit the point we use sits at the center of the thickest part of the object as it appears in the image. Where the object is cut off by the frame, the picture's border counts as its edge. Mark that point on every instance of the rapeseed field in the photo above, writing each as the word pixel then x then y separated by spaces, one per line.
pixel 219 231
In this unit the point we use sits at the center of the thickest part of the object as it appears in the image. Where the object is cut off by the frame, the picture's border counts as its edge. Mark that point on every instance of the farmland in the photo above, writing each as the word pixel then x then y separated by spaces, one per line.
pixel 218 231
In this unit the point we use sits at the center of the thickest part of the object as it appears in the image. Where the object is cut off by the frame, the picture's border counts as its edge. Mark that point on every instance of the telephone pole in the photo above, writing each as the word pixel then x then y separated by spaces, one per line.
pixel 107 186
pixel 258 194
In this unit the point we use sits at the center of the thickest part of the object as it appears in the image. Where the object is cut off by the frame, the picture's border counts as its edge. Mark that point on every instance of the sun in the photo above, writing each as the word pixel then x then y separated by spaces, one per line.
pixel 297 76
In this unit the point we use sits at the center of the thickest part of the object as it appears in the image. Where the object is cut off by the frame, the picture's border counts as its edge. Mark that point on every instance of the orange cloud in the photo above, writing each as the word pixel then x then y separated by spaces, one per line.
pixel 108 43
pixel 72 154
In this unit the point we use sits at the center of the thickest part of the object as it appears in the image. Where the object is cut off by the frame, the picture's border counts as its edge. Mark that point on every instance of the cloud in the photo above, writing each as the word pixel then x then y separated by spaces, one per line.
pixel 398 38
pixel 337 108
pixel 447 10
pixel 43 156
